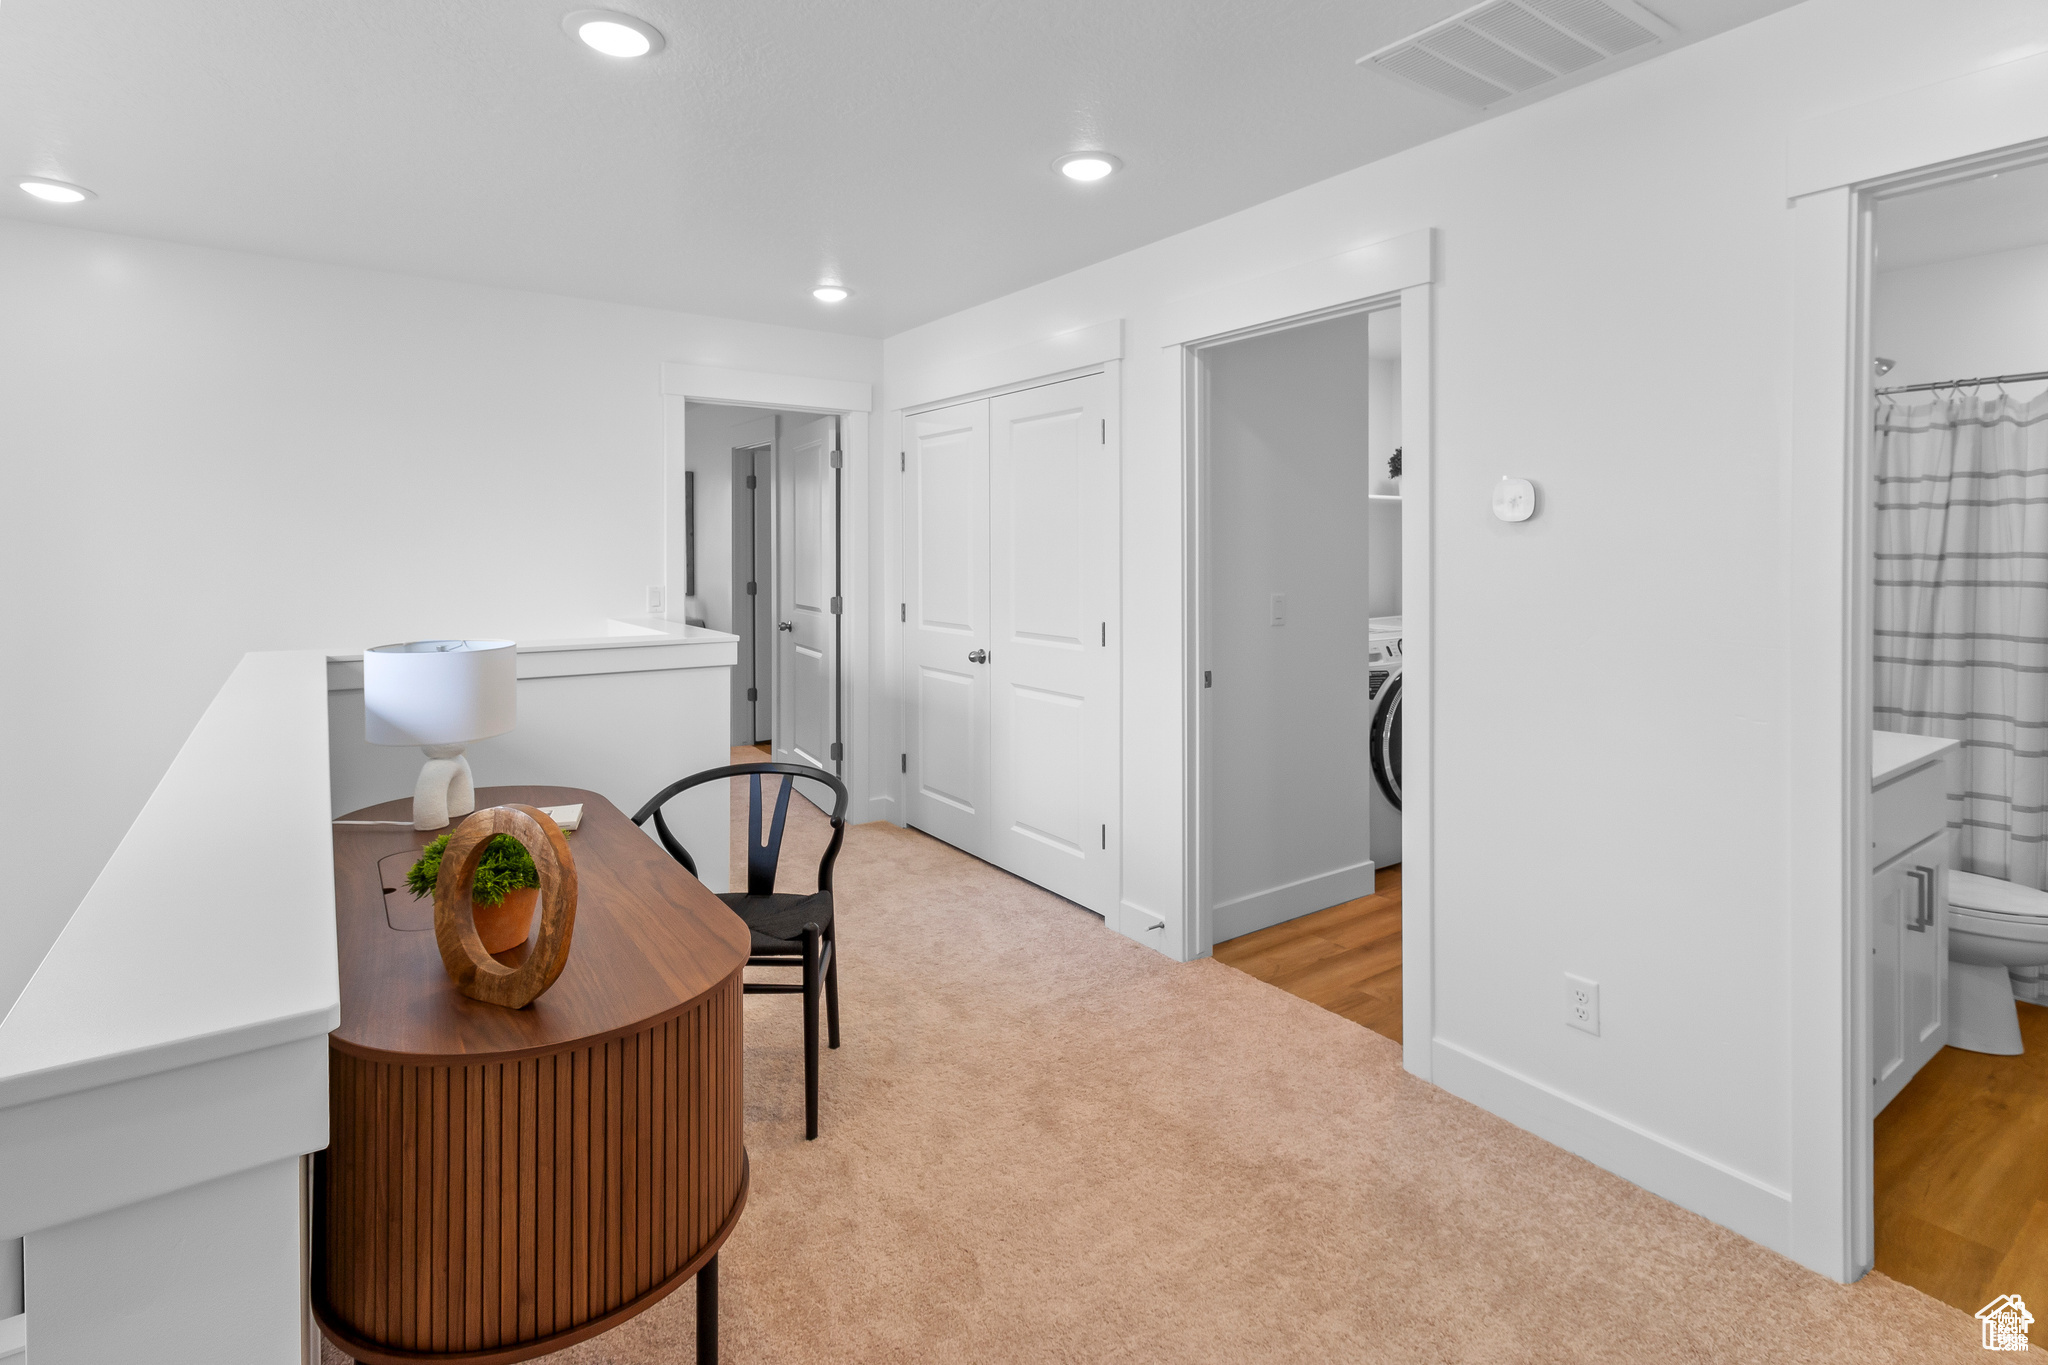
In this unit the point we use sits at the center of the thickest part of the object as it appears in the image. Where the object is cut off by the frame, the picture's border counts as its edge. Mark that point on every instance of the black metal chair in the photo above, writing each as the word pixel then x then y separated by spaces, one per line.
pixel 788 930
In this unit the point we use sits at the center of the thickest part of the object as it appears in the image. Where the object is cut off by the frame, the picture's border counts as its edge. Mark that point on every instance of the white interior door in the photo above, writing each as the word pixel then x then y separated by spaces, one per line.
pixel 1053 678
pixel 806 591
pixel 946 609
pixel 1285 635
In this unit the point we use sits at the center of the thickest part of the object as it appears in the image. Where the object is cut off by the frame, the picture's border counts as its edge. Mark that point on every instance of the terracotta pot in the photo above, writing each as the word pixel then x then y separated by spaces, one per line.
pixel 506 924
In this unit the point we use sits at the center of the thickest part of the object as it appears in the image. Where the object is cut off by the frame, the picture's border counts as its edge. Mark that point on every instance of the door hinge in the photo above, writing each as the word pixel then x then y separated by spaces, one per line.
pixel 752 482
pixel 903 612
pixel 1105 635
pixel 753 694
pixel 906 762
pixel 902 462
pixel 838 751
pixel 1105 431
pixel 1105 836
pixel 837 606
pixel 1205 677
pixel 753 589
pixel 835 459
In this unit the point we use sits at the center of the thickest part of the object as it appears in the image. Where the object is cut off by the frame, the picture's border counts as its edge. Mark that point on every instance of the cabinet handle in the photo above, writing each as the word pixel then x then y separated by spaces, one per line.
pixel 1923 878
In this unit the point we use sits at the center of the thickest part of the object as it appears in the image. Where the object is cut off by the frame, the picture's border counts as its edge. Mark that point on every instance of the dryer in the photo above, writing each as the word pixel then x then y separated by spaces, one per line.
pixel 1383 689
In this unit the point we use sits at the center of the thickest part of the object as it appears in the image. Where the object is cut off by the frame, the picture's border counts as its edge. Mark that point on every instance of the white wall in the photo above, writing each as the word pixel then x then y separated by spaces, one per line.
pixel 1611 321
pixel 1383 437
pixel 207 1275
pixel 1965 318
pixel 210 452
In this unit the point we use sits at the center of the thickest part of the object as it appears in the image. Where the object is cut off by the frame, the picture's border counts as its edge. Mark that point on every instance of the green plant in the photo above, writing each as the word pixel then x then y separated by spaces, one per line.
pixel 505 867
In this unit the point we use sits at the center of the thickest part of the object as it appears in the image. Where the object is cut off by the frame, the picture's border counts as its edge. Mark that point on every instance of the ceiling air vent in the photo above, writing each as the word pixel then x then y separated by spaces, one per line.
pixel 1500 49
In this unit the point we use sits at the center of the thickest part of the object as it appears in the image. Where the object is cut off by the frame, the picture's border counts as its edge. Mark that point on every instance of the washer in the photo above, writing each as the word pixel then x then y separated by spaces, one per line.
pixel 1383 687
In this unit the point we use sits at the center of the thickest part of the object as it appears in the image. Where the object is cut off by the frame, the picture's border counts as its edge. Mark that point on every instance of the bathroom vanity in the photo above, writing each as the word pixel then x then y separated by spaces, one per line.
pixel 1911 777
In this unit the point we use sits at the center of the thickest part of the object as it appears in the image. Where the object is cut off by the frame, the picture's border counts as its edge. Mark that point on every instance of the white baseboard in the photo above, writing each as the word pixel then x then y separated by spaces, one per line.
pixel 1277 904
pixel 13 1338
pixel 1736 1201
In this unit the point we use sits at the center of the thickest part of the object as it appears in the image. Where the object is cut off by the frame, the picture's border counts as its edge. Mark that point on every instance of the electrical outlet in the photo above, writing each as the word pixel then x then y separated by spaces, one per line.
pixel 655 605
pixel 1279 609
pixel 1582 1003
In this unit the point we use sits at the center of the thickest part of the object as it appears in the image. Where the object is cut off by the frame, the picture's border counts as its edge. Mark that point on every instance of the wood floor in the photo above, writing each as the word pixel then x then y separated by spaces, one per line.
pixel 1346 958
pixel 1962 1177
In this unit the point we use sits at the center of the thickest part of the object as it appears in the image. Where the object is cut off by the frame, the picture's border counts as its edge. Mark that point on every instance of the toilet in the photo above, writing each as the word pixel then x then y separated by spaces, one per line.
pixel 1992 925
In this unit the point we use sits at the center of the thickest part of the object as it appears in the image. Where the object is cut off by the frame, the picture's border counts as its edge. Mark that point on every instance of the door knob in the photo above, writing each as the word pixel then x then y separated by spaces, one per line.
pixel 979 656
pixel 785 625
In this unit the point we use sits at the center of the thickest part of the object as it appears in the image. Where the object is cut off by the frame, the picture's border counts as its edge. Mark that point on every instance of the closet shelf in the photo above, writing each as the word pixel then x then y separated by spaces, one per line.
pixel 1383 497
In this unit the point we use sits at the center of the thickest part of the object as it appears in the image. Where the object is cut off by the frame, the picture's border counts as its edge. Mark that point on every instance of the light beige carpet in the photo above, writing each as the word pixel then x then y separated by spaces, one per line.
pixel 1042 1142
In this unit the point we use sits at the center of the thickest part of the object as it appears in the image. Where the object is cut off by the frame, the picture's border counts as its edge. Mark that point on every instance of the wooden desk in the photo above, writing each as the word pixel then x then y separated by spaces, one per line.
pixel 504 1183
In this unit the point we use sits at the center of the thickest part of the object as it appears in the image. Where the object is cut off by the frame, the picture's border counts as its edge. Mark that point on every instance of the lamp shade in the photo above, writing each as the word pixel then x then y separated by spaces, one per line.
pixel 439 691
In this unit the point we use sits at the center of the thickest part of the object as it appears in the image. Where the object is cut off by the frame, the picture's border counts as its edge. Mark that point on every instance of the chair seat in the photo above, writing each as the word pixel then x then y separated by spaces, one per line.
pixel 777 922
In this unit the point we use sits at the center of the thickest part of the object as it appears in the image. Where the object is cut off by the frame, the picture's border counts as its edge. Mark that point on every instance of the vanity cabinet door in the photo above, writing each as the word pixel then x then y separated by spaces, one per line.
pixel 1924 959
pixel 1893 899
pixel 1909 965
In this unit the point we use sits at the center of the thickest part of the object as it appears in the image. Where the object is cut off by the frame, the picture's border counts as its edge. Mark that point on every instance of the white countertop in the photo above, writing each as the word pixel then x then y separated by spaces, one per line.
pixel 1892 754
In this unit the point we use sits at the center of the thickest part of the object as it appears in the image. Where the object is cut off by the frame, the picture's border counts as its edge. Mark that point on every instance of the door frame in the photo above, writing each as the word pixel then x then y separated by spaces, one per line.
pixel 1112 372
pixel 1418 837
pixel 763 565
pixel 852 402
pixel 1839 165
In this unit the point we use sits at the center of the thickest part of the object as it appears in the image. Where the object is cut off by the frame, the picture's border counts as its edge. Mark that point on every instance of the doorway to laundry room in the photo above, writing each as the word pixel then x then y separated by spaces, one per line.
pixel 1300 645
pixel 1957 910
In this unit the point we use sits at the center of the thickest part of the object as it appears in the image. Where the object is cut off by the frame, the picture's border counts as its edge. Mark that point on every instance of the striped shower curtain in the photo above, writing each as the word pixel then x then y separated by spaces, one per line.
pixel 1961 610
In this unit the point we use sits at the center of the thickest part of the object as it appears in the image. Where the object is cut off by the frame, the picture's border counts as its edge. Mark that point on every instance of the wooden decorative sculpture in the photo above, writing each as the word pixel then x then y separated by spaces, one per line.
pixel 476 973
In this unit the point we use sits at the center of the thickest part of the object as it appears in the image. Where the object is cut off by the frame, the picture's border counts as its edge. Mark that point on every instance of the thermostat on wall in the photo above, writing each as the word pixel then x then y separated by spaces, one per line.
pixel 1514 499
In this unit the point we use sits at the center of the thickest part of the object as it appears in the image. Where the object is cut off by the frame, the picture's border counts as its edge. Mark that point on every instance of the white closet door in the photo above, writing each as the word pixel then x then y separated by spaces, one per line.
pixel 1053 700
pixel 806 568
pixel 946 586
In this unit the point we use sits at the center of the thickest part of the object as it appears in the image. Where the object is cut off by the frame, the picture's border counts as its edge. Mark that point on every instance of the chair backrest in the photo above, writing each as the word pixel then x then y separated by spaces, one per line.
pixel 763 856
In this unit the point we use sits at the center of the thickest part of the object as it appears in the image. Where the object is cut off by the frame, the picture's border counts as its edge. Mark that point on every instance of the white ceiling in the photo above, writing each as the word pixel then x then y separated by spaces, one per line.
pixel 904 146
pixel 2000 212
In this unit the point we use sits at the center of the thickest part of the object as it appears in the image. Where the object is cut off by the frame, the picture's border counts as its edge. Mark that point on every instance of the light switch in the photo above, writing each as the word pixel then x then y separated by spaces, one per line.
pixel 1279 609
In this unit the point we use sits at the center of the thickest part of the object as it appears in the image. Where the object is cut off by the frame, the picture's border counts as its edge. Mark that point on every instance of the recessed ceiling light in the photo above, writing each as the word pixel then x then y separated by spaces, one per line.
pixel 56 191
pixel 830 293
pixel 1088 165
pixel 615 34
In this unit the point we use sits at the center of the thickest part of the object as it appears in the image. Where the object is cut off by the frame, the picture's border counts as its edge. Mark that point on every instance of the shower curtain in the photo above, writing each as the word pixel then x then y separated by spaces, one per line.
pixel 1961 610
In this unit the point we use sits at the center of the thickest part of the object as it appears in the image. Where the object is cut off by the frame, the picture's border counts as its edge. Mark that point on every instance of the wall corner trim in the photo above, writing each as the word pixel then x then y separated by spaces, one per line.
pixel 762 389
pixel 962 377
pixel 1383 267
pixel 1981 111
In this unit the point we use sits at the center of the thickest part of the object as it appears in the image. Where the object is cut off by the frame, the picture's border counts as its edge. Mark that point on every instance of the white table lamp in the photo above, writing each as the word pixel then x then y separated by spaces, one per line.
pixel 440 695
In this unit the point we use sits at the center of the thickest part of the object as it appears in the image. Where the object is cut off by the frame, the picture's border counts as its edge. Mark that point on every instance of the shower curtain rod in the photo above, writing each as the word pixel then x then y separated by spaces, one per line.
pixel 1969 383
